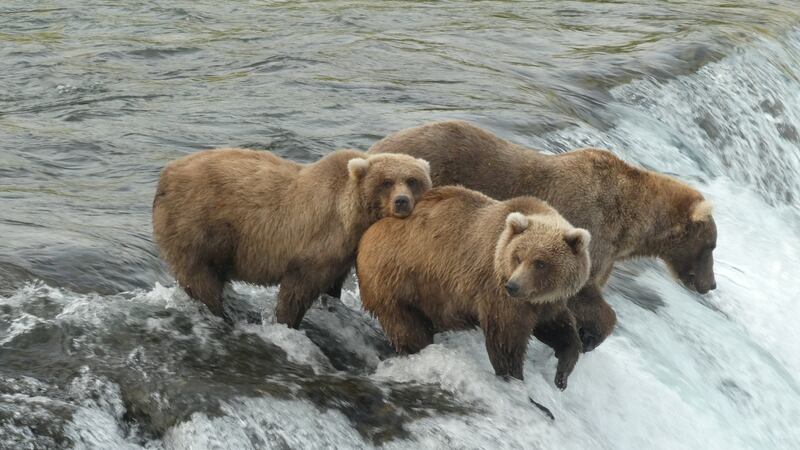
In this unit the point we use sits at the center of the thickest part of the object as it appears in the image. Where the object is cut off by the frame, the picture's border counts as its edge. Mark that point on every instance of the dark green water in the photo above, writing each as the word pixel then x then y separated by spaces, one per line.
pixel 98 350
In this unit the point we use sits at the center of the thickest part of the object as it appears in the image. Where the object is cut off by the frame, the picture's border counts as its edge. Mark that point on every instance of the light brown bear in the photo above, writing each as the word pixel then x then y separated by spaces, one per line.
pixel 463 259
pixel 630 212
pixel 237 214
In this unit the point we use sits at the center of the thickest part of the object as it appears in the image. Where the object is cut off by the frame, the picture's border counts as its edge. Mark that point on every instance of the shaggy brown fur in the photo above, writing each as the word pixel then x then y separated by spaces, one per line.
pixel 463 259
pixel 236 214
pixel 630 212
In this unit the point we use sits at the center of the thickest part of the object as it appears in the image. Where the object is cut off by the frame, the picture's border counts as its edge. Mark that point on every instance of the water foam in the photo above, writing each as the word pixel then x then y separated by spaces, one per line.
pixel 685 372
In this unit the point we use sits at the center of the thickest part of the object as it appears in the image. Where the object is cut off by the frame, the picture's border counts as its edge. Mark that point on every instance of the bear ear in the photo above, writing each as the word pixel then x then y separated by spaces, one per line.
pixel 357 168
pixel 701 211
pixel 425 164
pixel 517 222
pixel 578 239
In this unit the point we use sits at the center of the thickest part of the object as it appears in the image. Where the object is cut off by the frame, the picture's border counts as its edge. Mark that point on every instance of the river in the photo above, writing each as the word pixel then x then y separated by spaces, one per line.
pixel 98 349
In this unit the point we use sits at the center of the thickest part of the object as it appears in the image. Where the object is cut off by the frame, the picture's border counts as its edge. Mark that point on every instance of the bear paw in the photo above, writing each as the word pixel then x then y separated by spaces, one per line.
pixel 561 380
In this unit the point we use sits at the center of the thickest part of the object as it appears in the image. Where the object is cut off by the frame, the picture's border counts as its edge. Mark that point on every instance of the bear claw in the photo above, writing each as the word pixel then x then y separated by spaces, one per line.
pixel 561 380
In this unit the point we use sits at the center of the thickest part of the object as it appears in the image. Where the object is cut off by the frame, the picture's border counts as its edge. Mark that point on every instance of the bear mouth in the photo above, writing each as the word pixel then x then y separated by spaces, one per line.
pixel 691 282
pixel 538 298
pixel 695 287
pixel 401 213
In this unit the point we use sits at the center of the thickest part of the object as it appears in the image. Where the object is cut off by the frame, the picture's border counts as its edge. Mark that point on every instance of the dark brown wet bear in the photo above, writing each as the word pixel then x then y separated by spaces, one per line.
pixel 630 212
pixel 237 214
pixel 463 259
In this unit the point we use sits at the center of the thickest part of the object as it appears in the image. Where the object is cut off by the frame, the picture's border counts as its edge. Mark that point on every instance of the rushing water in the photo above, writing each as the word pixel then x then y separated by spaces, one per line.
pixel 99 350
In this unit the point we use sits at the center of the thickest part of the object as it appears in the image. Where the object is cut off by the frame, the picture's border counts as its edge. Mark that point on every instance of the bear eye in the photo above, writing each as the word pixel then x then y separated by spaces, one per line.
pixel 539 264
pixel 517 260
pixel 387 183
pixel 412 183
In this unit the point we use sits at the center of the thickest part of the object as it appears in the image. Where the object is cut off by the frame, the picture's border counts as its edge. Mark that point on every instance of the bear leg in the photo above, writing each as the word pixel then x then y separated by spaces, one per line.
pixel 295 296
pixel 205 285
pixel 561 335
pixel 335 290
pixel 408 329
pixel 594 316
pixel 506 344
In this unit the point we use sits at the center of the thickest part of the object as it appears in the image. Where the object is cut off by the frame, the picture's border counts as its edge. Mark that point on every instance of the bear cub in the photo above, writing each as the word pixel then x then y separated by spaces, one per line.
pixel 238 214
pixel 463 260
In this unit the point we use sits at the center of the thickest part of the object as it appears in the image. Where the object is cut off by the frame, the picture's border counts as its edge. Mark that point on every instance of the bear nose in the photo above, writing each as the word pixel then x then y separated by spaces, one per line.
pixel 704 289
pixel 401 202
pixel 512 288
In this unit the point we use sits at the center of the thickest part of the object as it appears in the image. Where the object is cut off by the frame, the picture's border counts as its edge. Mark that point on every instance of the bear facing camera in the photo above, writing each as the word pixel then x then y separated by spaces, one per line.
pixel 238 214
pixel 464 260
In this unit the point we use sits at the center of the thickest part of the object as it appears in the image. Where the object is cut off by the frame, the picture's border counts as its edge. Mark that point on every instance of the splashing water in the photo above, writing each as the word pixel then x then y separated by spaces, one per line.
pixel 147 368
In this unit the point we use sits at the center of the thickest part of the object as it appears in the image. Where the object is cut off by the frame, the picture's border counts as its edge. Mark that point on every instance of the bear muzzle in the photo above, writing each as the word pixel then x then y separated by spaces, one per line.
pixel 700 284
pixel 513 288
pixel 402 206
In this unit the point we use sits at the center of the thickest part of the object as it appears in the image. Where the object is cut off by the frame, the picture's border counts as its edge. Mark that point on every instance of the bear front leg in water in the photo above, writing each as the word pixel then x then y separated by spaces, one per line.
pixel 335 290
pixel 561 335
pixel 299 288
pixel 594 317
pixel 407 329
pixel 507 328
pixel 204 284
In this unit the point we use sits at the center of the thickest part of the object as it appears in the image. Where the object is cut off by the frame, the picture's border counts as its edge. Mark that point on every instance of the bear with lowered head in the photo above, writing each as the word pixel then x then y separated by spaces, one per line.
pixel 630 212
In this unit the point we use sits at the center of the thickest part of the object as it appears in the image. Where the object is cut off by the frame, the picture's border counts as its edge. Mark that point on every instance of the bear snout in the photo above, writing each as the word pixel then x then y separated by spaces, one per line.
pixel 704 280
pixel 700 284
pixel 512 287
pixel 704 288
pixel 401 207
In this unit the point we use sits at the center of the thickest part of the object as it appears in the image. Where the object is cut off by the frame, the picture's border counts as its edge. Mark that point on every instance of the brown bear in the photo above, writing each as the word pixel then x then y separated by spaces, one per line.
pixel 238 214
pixel 463 259
pixel 630 212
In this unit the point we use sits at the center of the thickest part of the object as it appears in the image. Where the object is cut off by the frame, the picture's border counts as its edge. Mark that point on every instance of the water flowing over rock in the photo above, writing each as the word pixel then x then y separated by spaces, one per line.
pixel 98 349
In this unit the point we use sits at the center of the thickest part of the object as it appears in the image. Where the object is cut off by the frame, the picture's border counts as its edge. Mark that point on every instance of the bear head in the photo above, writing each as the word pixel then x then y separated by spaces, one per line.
pixel 689 247
pixel 541 257
pixel 390 184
